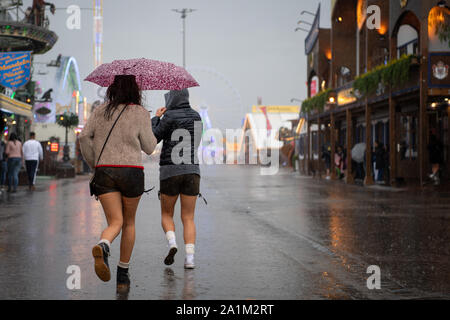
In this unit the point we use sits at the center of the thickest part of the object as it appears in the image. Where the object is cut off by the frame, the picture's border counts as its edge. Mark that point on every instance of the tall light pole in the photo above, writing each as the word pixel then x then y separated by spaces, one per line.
pixel 98 32
pixel 184 12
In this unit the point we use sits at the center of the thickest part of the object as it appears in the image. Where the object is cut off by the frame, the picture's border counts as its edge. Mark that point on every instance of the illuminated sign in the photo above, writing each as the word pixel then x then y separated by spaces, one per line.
pixel 314 86
pixel 345 97
pixel 277 109
pixel 54 147
pixel 15 69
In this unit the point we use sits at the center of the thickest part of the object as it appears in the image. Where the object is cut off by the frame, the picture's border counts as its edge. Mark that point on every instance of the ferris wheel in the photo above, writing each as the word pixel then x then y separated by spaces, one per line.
pixel 216 97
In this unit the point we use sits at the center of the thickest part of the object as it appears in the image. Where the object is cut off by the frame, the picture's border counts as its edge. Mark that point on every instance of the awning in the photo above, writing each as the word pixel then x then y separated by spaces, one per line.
pixel 15 106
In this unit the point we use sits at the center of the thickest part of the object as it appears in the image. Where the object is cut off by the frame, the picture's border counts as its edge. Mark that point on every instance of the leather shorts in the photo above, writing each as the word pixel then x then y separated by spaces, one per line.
pixel 187 184
pixel 130 182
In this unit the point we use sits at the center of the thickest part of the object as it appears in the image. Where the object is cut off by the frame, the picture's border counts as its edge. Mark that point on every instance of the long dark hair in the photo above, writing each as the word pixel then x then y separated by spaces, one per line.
pixel 13 137
pixel 124 90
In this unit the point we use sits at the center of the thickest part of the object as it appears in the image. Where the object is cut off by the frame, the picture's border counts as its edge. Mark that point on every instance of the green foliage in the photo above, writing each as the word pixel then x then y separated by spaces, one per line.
pixel 439 20
pixel 316 103
pixel 443 32
pixel 67 120
pixel 394 74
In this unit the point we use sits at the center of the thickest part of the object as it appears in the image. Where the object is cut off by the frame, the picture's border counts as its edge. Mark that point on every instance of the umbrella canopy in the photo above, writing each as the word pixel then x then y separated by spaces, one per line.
pixel 359 152
pixel 150 74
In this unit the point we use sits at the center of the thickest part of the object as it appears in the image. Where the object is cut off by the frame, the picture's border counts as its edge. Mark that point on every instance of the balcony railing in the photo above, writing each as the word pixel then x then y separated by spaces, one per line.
pixel 398 74
pixel 393 74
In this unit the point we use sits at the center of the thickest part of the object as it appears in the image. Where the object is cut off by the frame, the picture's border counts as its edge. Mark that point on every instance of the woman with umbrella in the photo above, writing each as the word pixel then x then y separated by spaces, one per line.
pixel 111 143
pixel 116 154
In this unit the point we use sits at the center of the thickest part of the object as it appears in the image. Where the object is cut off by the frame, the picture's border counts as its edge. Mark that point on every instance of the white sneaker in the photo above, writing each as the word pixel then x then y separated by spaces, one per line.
pixel 189 263
pixel 437 181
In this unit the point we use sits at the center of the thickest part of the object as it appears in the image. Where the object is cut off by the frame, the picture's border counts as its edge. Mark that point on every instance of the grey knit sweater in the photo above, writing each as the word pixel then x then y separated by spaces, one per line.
pixel 131 135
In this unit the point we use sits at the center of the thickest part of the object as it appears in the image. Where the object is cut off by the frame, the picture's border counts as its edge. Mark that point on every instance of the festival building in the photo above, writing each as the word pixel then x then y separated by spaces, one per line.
pixel 378 76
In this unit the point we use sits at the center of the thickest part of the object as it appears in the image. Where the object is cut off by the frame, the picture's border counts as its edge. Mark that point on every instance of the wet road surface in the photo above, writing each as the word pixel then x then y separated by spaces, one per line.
pixel 260 237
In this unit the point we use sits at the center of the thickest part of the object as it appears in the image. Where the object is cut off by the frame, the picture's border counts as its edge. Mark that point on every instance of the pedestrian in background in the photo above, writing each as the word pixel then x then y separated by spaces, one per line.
pixel 3 166
pixel 15 161
pixel 32 153
pixel 326 156
pixel 436 153
pixel 380 158
pixel 178 178
pixel 119 171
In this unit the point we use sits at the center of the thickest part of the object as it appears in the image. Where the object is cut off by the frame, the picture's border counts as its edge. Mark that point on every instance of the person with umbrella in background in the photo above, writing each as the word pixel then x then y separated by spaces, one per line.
pixel 179 177
pixel 358 156
pixel 111 143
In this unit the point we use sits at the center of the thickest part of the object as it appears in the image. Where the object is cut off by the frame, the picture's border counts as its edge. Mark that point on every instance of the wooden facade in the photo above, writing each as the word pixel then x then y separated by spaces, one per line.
pixel 401 117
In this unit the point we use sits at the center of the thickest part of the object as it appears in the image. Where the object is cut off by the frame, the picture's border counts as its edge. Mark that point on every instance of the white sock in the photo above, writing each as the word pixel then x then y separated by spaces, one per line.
pixel 190 249
pixel 124 265
pixel 105 242
pixel 171 240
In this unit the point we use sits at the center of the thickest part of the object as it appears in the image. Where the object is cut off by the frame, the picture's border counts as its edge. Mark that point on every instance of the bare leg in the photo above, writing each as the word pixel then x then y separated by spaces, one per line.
pixel 112 206
pixel 167 210
pixel 130 206
pixel 187 217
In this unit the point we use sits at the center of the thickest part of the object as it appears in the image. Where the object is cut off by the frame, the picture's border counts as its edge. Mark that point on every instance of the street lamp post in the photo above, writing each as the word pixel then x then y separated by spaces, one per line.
pixel 184 12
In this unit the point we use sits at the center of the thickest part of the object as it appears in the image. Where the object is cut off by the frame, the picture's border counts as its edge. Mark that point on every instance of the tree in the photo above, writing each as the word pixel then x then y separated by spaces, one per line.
pixel 68 121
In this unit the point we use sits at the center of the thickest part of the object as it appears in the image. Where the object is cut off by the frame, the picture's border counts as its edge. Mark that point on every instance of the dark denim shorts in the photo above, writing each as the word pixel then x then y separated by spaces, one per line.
pixel 187 184
pixel 128 181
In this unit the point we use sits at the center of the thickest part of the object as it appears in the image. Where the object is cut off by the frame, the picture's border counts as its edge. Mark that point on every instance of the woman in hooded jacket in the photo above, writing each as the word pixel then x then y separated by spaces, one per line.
pixel 180 129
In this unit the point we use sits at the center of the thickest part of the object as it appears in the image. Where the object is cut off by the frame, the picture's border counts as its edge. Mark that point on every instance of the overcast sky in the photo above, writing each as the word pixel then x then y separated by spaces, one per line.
pixel 245 48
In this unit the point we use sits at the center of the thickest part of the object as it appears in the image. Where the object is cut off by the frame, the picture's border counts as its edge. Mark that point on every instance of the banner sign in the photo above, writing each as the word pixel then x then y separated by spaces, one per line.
pixel 314 86
pixel 438 70
pixel 311 39
pixel 15 69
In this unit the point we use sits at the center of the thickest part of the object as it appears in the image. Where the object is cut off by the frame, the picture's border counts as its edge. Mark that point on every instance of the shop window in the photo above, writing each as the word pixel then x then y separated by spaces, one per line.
pixel 315 149
pixel 343 137
pixel 302 146
pixel 386 134
pixel 407 40
pixel 445 137
pixel 409 130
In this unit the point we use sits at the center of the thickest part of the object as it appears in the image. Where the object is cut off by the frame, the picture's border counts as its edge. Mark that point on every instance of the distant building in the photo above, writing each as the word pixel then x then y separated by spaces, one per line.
pixel 389 84
pixel 261 131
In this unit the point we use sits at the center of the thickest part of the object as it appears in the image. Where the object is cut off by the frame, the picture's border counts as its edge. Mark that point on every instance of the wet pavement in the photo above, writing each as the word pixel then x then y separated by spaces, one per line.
pixel 260 237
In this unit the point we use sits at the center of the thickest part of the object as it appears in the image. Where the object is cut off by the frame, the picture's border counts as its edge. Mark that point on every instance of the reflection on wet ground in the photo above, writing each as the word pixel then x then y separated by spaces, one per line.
pixel 259 237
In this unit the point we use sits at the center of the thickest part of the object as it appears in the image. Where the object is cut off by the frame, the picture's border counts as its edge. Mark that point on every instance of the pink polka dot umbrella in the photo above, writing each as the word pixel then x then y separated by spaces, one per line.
pixel 150 74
